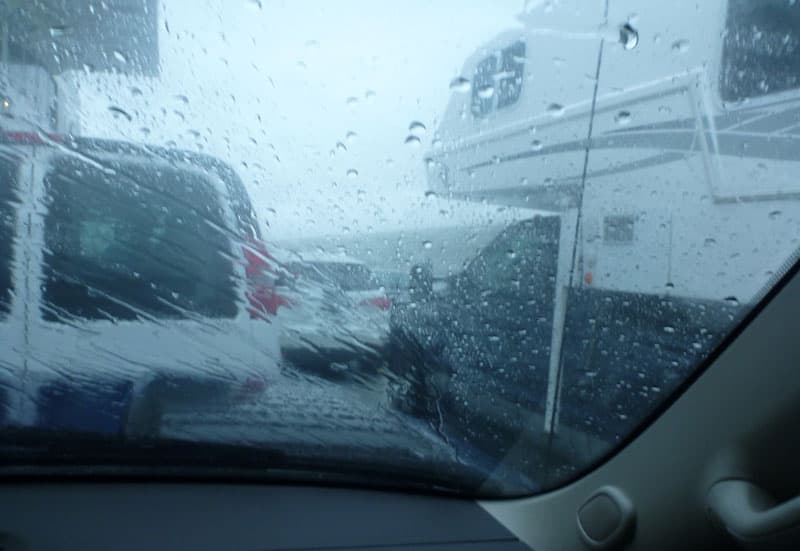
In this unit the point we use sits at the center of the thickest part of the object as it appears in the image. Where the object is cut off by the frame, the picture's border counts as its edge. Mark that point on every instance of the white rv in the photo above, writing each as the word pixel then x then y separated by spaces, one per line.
pixel 668 144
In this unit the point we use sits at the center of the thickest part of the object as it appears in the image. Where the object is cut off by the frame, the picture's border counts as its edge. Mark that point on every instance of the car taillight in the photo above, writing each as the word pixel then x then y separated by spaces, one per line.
pixel 261 293
pixel 383 303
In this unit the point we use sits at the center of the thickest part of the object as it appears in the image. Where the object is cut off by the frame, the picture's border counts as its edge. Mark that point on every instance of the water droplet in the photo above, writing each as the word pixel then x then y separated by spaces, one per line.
pixel 709 242
pixel 436 143
pixel 460 84
pixel 182 98
pixel 351 137
pixel 559 61
pixel 680 46
pixel 136 91
pixel 555 109
pixel 622 118
pixel 732 301
pixel 351 101
pixel 341 147
pixel 119 111
pixel 496 159
pixel 413 141
pixel 536 145
pixel 369 95
pixel 511 254
pixel 417 127
pixel 430 195
pixel 352 173
pixel 774 214
pixel 427 244
pixel 255 3
pixel 628 36
pixel 486 92
pixel 120 57
pixel 58 30
pixel 669 329
pixel 669 285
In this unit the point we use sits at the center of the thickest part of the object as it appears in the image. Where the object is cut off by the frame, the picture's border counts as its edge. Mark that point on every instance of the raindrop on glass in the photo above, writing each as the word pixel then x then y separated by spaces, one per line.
pixel 555 109
pixel 536 145
pixel 622 118
pixel 669 329
pixel 352 173
pixel 628 36
pixel 732 301
pixel 351 136
pixel 416 127
pixel 680 46
pixel 120 57
pixel 486 92
pixel 413 141
pixel 341 147
pixel 118 111
pixel 774 214
pixel 430 195
pixel 427 244
pixel 460 84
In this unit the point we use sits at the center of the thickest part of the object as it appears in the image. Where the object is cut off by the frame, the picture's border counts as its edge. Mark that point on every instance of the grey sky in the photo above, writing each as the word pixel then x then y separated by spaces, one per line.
pixel 273 86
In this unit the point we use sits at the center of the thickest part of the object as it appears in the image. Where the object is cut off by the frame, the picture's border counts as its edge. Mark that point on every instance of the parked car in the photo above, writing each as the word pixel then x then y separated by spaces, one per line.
pixel 133 281
pixel 470 353
pixel 337 314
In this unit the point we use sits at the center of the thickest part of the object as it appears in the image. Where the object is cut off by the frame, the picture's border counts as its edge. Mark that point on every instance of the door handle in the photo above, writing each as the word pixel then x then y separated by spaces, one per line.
pixel 751 515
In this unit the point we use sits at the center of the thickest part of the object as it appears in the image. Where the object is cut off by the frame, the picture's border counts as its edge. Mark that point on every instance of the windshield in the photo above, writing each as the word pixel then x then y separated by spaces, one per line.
pixel 331 241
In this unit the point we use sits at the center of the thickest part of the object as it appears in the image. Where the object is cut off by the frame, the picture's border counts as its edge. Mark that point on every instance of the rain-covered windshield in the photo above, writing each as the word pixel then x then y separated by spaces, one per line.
pixel 459 246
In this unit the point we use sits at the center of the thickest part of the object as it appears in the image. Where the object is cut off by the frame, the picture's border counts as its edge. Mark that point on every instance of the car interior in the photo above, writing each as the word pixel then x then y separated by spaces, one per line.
pixel 556 310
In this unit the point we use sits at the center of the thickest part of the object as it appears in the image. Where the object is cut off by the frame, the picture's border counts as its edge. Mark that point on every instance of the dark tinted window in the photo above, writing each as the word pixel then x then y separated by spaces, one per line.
pixel 8 207
pixel 761 49
pixel 143 241
pixel 509 85
pixel 618 228
pixel 519 253
pixel 483 86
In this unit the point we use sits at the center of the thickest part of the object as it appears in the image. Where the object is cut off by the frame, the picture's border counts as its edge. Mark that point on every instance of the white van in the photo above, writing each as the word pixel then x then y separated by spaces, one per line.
pixel 132 281
pixel 668 146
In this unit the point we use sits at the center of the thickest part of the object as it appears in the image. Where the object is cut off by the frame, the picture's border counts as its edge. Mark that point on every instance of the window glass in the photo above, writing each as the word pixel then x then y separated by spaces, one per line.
pixel 761 49
pixel 483 86
pixel 8 218
pixel 144 241
pixel 509 84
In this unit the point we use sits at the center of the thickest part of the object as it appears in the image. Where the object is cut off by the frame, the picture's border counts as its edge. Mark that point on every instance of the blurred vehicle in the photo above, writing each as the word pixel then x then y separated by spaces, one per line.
pixel 337 313
pixel 132 282
pixel 479 369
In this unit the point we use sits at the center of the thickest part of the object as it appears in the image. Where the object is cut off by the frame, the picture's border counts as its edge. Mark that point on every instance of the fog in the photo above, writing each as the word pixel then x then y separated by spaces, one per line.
pixel 311 103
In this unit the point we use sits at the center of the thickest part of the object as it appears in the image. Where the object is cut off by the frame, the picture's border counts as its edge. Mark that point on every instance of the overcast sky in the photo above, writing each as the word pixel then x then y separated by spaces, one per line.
pixel 273 86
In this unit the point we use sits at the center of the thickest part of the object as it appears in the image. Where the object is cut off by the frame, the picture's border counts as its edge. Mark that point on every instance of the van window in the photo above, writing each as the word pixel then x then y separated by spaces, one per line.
pixel 761 50
pixel 483 86
pixel 618 228
pixel 8 199
pixel 509 85
pixel 140 242
pixel 505 84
